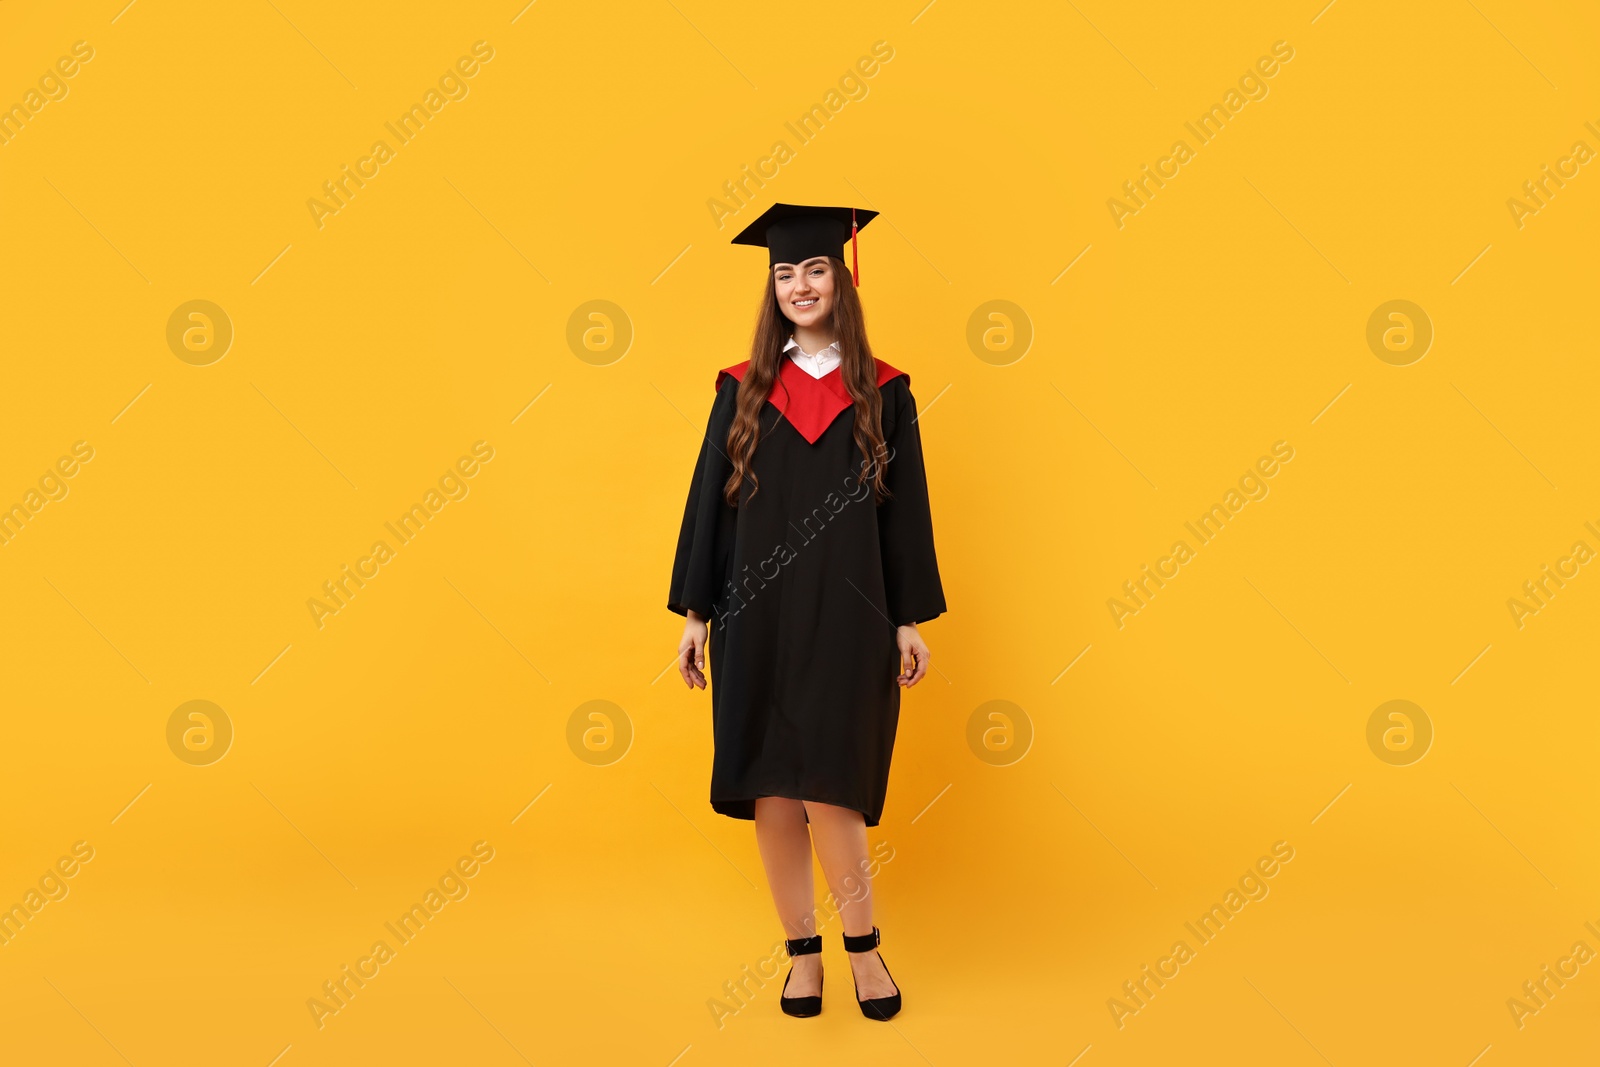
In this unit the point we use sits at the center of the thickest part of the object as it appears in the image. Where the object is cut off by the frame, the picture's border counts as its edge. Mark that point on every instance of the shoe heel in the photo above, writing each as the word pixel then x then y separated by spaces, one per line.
pixel 881 1009
pixel 801 1007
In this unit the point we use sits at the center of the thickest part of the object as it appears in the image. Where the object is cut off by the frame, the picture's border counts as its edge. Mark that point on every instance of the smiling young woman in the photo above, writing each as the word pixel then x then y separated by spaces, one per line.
pixel 806 597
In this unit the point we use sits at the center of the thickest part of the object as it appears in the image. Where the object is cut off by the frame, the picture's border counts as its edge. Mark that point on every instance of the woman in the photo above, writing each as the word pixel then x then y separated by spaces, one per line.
pixel 807 543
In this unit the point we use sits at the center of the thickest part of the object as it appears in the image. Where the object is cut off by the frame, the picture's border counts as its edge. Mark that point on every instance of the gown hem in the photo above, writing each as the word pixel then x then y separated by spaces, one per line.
pixel 745 807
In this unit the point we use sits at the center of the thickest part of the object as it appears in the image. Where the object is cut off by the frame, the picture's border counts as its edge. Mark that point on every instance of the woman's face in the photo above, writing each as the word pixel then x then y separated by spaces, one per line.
pixel 805 292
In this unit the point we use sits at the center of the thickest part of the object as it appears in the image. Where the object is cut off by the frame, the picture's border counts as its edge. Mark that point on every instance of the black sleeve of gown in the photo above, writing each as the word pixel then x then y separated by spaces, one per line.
pixel 705 540
pixel 905 523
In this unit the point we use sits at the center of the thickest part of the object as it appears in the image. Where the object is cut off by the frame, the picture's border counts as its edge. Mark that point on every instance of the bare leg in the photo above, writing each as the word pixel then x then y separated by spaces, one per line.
pixel 840 838
pixel 785 847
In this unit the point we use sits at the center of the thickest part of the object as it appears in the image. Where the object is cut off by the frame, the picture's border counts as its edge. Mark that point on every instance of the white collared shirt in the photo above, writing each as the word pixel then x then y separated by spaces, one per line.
pixel 816 365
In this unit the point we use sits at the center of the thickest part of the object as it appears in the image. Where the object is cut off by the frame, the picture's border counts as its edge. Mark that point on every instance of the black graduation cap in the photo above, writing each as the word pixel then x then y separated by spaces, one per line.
pixel 795 232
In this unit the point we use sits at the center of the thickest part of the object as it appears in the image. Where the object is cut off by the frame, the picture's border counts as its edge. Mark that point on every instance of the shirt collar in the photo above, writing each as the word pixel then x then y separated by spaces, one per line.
pixel 796 344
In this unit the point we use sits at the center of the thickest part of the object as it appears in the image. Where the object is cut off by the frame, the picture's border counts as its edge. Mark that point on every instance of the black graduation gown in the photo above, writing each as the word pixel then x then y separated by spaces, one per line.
pixel 805 583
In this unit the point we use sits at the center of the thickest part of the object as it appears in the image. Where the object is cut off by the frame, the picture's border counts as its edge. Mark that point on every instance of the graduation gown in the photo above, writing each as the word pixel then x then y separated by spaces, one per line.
pixel 805 583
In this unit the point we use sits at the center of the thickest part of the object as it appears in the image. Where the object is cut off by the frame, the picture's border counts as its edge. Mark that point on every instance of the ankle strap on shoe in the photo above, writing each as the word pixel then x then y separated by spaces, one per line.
pixel 862 943
pixel 804 946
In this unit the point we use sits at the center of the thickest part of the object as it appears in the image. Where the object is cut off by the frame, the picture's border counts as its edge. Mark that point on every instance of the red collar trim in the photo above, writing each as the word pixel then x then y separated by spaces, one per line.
pixel 810 404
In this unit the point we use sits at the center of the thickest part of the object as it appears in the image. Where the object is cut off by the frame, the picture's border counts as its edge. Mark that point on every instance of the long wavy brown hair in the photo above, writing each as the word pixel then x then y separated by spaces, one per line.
pixel 857 369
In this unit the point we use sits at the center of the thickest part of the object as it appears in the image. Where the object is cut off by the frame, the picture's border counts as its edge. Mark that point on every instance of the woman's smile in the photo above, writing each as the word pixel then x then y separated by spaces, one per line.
pixel 805 292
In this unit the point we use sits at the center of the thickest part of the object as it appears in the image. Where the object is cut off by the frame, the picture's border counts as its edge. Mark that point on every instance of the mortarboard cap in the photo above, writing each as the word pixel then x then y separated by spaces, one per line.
pixel 793 233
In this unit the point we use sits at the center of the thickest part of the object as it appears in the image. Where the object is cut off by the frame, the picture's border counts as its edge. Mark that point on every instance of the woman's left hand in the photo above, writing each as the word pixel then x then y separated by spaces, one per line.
pixel 913 655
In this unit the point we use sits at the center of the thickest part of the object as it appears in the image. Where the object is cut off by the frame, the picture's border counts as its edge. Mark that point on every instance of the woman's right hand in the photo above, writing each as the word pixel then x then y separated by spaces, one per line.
pixel 692 652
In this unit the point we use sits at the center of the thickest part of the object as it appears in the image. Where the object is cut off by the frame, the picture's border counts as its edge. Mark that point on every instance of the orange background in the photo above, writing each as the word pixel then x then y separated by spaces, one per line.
pixel 1134 374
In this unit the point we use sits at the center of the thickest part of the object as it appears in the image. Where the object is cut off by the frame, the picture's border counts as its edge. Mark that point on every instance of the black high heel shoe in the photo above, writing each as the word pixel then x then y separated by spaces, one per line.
pixel 801 1007
pixel 880 1008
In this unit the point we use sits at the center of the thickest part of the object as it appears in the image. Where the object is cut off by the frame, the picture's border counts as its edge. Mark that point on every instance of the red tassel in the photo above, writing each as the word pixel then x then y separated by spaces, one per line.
pixel 855 268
